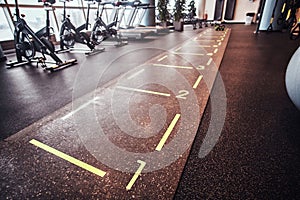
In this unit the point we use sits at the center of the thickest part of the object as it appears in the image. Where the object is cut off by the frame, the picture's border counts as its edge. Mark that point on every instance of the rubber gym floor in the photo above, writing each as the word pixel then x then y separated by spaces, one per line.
pixel 256 155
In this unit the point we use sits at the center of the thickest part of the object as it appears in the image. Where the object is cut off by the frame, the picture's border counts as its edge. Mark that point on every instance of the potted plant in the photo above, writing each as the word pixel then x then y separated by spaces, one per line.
pixel 163 13
pixel 179 8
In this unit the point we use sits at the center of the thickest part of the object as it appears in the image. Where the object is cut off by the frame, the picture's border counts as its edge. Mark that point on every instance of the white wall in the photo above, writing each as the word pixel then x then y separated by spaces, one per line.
pixel 244 6
pixel 210 8
pixel 241 8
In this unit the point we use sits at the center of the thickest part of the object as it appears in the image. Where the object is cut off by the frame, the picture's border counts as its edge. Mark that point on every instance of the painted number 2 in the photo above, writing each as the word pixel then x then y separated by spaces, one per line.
pixel 182 94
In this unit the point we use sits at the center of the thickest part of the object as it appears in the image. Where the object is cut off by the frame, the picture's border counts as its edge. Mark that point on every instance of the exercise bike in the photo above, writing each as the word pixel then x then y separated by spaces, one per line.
pixel 102 31
pixel 69 34
pixel 27 43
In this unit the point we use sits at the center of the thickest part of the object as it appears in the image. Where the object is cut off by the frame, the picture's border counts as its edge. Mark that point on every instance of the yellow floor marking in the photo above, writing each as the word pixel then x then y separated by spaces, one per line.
pixel 167 133
pixel 210 54
pixel 68 158
pixel 205 40
pixel 94 100
pixel 144 91
pixel 178 48
pixel 136 174
pixel 209 61
pixel 219 40
pixel 201 67
pixel 162 58
pixel 216 50
pixel 182 53
pixel 173 66
pixel 205 46
pixel 135 74
pixel 197 82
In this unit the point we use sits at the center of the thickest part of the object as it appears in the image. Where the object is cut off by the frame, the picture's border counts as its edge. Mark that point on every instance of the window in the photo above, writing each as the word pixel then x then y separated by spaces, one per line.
pixel 6 33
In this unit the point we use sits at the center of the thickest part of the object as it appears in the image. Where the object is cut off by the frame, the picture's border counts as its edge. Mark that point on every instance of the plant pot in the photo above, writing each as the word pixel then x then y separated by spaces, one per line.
pixel 178 25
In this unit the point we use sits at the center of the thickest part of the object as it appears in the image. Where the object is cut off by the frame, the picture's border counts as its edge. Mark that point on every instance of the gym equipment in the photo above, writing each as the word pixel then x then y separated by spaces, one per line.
pixel 191 15
pixel 69 34
pixel 27 43
pixel 219 27
pixel 102 31
pixel 283 13
pixel 230 7
pixel 136 6
pixel 292 79
pixel 2 56
pixel 270 27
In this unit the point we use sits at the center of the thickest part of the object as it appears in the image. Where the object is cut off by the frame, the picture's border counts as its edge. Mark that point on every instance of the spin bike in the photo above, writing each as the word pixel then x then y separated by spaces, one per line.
pixel 27 43
pixel 102 31
pixel 69 34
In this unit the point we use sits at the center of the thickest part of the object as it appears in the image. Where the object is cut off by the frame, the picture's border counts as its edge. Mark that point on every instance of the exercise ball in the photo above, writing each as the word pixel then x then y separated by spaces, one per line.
pixel 292 78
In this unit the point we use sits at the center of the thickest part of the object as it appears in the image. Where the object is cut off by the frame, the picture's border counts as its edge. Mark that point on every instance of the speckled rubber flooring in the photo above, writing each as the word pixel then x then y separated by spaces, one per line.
pixel 258 153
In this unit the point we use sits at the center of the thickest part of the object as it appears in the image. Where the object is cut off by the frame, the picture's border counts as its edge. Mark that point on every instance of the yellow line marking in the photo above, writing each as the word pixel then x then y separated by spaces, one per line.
pixel 211 36
pixel 209 61
pixel 144 91
pixel 201 67
pixel 205 40
pixel 205 46
pixel 135 74
pixel 222 39
pixel 219 40
pixel 216 50
pixel 80 108
pixel 136 174
pixel 178 48
pixel 167 133
pixel 197 82
pixel 162 58
pixel 195 54
pixel 210 54
pixel 173 66
pixel 68 158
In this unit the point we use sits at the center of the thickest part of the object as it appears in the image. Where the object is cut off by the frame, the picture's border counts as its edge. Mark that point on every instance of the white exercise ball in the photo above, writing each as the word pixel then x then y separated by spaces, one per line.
pixel 292 78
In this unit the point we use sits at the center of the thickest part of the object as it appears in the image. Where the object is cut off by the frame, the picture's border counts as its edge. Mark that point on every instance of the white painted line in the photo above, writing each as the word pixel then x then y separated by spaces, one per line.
pixel 210 54
pixel 216 50
pixel 144 91
pixel 178 48
pixel 167 133
pixel 215 45
pixel 162 58
pixel 197 81
pixel 135 74
pixel 182 53
pixel 220 43
pixel 173 66
pixel 136 174
pixel 209 61
pixel 80 108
